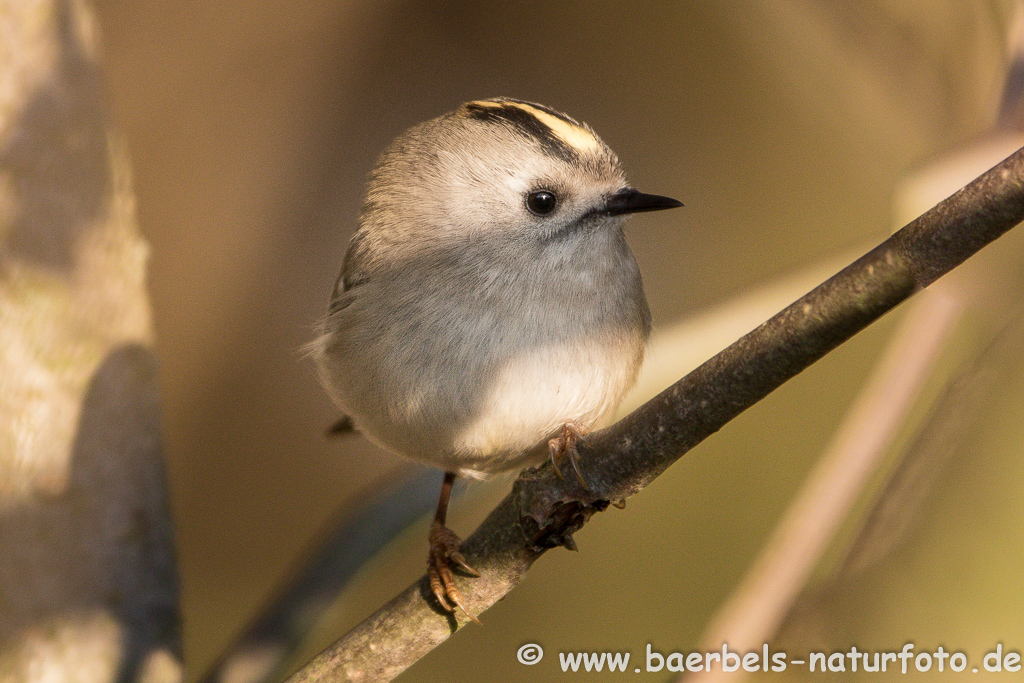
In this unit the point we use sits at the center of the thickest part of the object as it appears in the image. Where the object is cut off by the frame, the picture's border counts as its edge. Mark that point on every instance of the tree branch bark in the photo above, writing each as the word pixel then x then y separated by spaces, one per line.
pixel 543 511
pixel 88 583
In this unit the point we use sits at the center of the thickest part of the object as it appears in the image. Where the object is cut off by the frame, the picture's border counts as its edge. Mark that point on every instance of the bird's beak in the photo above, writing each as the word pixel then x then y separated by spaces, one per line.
pixel 632 201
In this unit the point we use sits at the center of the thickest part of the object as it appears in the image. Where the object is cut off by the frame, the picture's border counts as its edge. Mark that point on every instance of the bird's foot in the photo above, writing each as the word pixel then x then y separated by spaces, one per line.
pixel 444 549
pixel 565 445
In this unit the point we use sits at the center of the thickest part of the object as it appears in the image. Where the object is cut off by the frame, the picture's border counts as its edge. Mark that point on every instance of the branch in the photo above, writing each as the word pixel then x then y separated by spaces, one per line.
pixel 543 511
pixel 88 584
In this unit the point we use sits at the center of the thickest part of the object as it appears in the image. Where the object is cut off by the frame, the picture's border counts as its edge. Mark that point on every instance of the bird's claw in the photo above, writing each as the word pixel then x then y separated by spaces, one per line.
pixel 444 549
pixel 565 445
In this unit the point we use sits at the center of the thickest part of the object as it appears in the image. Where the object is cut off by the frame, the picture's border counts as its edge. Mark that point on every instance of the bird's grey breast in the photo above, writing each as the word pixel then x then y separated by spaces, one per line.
pixel 448 324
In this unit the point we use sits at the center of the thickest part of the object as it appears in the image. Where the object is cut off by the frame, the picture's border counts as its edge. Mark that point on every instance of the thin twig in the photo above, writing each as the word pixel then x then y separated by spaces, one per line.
pixel 542 511
pixel 765 597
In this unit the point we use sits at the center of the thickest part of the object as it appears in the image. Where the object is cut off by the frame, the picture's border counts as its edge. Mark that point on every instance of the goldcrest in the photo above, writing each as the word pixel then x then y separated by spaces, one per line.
pixel 489 311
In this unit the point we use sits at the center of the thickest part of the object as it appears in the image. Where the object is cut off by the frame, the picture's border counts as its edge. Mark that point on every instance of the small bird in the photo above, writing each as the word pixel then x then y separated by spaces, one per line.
pixel 489 312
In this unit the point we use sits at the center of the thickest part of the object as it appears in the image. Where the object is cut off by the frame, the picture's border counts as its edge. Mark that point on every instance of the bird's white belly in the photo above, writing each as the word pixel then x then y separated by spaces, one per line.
pixel 534 394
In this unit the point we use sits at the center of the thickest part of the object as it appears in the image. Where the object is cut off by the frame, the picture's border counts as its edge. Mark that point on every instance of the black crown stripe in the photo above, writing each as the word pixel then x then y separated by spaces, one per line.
pixel 527 124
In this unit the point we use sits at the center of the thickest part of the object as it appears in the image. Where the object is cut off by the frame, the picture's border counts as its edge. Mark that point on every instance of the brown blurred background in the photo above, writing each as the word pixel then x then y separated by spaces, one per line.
pixel 783 127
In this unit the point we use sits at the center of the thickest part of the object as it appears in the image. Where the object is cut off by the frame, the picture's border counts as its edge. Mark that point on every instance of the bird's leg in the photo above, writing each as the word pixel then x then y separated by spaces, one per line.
pixel 565 445
pixel 444 548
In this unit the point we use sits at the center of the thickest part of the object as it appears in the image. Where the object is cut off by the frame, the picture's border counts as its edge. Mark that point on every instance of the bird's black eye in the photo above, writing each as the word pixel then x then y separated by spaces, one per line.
pixel 541 202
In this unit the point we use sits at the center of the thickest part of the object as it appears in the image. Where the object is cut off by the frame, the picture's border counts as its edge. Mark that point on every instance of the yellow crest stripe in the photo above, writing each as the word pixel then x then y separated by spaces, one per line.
pixel 568 133
pixel 572 135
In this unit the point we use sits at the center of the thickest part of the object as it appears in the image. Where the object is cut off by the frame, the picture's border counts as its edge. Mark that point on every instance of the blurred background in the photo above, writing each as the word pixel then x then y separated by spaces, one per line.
pixel 785 127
